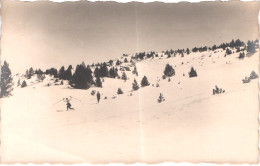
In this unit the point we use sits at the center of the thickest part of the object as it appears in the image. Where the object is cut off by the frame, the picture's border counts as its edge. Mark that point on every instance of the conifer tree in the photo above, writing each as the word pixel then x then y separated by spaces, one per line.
pixel 119 91
pixel 135 85
pixel 192 72
pixel 82 78
pixel 241 55
pixel 6 80
pixel 135 71
pixel 145 82
pixel 124 77
pixel 61 73
pixel 24 84
pixel 98 82
pixel 188 51
pixel 169 71
pixel 68 73
pixel 161 98
pixel 251 47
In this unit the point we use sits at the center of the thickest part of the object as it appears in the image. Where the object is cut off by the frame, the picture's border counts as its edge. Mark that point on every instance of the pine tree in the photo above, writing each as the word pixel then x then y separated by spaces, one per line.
pixel 24 84
pixel 125 60
pixel 40 77
pixel 119 91
pixel 118 62
pixel 98 82
pixel 228 51
pixel 82 78
pixel 253 75
pixel 68 73
pixel 113 72
pixel 97 72
pixel 169 71
pixel 214 47
pixel 103 70
pixel 61 73
pixel 110 62
pixel 27 74
pixel 241 55
pixel 187 51
pixel 192 73
pixel 124 77
pixel 251 47
pixel 31 71
pixel 135 71
pixel 6 80
pixel 161 98
pixel 145 82
pixel 135 85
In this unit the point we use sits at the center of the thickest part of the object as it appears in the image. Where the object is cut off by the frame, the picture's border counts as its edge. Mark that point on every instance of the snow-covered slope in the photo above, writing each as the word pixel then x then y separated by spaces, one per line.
pixel 133 126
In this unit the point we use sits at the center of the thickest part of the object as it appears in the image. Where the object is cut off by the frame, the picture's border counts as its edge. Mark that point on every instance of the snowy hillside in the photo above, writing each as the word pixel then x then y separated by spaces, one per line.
pixel 134 125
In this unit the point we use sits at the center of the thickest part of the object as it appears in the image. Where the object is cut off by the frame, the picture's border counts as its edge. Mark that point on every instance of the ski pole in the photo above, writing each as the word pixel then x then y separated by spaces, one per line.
pixel 58 102
pixel 76 99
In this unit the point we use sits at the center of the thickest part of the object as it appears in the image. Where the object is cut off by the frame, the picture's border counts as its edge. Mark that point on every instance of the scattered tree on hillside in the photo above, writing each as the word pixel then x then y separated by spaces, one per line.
pixel 40 77
pixel 27 75
pixel 124 77
pixel 113 72
pixel 145 82
pixel 135 71
pixel 98 82
pixel 251 47
pixel 6 80
pixel 82 78
pixel 238 49
pixel 218 90
pixel 118 62
pixel 125 60
pixel 68 73
pixel 161 98
pixel 135 85
pixel 110 62
pixel 31 71
pixel 246 80
pixel 192 72
pixel 39 71
pixel 187 51
pixel 103 71
pixel 24 84
pixel 52 72
pixel 119 91
pixel 228 51
pixel 214 47
pixel 253 75
pixel 61 74
pixel 241 55
pixel 169 71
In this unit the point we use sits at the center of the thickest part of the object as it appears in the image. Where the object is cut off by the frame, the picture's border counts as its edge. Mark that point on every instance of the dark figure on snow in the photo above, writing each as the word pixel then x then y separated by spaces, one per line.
pixel 67 100
pixel 98 96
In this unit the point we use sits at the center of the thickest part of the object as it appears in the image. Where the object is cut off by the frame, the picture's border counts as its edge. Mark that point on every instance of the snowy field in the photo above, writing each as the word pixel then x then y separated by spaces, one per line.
pixel 136 128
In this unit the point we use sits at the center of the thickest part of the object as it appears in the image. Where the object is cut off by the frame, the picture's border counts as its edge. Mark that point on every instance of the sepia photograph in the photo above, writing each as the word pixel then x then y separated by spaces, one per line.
pixel 110 82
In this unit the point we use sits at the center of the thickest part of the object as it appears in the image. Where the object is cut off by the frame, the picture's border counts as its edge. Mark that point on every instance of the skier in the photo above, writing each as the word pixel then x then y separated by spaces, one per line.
pixel 98 96
pixel 67 100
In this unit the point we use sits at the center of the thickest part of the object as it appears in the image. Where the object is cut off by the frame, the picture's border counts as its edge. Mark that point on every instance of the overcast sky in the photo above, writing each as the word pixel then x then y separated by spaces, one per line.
pixel 46 34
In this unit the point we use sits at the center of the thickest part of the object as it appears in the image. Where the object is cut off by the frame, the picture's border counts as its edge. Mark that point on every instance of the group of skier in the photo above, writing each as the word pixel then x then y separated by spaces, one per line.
pixel 68 104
